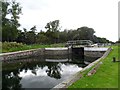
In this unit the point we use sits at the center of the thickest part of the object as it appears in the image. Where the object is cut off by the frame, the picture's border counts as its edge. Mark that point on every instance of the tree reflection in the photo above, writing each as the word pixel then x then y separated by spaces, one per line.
pixel 11 71
pixel 54 70
pixel 11 80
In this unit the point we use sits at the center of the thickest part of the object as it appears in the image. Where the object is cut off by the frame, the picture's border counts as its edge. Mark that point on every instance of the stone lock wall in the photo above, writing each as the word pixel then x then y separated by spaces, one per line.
pixel 94 53
pixel 56 51
pixel 46 51
pixel 21 54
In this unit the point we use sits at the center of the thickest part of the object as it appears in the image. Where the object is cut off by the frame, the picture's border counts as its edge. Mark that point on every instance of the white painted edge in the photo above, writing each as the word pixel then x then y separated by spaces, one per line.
pixel 56 48
pixel 95 49
pixel 54 60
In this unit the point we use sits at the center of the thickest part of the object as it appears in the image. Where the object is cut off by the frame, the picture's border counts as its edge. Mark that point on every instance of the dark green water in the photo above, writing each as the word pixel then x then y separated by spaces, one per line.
pixel 41 72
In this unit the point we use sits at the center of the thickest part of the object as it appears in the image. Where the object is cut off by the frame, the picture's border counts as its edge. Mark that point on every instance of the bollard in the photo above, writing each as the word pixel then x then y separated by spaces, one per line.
pixel 114 59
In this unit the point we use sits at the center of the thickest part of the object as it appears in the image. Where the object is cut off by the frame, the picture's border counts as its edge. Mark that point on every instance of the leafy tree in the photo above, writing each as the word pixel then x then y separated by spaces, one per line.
pixel 53 31
pixel 118 41
pixel 63 36
pixel 50 36
pixel 95 40
pixel 9 26
pixel 86 33
pixel 22 36
pixel 42 38
pixel 53 26
pixel 33 29
pixel 30 37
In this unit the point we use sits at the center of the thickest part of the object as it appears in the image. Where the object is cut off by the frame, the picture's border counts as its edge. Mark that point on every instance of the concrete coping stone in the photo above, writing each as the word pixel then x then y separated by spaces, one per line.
pixel 95 49
pixel 68 82
pixel 56 48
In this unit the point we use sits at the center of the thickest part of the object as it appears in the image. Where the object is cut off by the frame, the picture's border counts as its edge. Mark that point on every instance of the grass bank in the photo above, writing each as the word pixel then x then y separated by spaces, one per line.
pixel 13 46
pixel 105 77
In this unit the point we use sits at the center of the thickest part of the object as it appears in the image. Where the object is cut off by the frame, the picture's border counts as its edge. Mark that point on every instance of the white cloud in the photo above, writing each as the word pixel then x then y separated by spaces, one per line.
pixel 101 15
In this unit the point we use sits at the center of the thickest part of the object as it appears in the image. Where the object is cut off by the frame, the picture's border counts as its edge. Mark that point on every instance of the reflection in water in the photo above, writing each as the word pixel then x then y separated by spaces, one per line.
pixel 11 80
pixel 40 72
pixel 54 70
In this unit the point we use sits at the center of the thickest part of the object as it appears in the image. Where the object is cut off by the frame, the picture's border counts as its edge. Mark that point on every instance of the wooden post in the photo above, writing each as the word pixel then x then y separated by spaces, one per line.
pixel 114 59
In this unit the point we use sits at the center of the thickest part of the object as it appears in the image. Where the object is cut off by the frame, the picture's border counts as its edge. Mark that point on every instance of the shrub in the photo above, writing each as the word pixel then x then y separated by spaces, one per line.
pixel 9 45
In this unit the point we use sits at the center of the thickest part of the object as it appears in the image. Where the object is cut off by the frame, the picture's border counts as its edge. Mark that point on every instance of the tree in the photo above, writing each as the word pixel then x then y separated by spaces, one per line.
pixel 53 26
pixel 53 31
pixel 22 36
pixel 118 41
pixel 42 38
pixel 0 21
pixel 95 40
pixel 30 37
pixel 63 36
pixel 86 33
pixel 33 29
pixel 9 26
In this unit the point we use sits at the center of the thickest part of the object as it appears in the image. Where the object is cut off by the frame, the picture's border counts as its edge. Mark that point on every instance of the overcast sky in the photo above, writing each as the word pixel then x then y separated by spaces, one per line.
pixel 101 15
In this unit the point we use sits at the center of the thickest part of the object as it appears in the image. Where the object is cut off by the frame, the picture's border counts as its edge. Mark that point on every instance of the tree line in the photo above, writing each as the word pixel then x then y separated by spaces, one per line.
pixel 53 34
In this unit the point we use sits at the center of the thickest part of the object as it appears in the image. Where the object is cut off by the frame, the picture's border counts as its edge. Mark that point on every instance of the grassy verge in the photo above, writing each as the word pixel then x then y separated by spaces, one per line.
pixel 13 46
pixel 105 77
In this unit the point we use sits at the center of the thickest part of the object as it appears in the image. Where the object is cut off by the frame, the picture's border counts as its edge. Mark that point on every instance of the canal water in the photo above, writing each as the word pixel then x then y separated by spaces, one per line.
pixel 41 72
